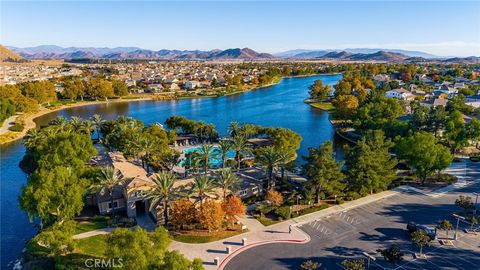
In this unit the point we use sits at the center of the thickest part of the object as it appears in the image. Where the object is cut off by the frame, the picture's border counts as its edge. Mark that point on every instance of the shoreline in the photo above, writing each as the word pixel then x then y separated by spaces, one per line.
pixel 311 103
pixel 29 119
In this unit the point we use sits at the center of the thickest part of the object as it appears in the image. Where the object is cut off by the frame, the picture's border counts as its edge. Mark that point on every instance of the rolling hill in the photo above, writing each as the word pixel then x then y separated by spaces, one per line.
pixel 8 55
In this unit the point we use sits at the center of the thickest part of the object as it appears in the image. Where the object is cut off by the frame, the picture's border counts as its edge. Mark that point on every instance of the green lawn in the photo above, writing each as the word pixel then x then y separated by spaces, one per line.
pixel 196 237
pixel 94 245
pixel 267 221
pixel 86 226
pixel 326 106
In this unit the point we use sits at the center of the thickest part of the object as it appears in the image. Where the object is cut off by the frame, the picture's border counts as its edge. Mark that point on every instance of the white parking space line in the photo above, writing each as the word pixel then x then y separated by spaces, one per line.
pixel 447 253
pixel 444 260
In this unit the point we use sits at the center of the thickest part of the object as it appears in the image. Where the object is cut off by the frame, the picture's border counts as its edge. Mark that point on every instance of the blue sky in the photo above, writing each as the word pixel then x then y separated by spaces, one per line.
pixel 439 27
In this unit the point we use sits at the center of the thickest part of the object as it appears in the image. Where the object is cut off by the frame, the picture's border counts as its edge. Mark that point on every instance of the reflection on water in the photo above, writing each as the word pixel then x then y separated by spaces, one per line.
pixel 278 106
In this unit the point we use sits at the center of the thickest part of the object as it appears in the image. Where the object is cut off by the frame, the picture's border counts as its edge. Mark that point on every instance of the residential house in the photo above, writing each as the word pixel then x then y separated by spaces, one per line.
pixel 473 101
pixel 155 88
pixel 191 85
pixel 400 93
pixel 435 102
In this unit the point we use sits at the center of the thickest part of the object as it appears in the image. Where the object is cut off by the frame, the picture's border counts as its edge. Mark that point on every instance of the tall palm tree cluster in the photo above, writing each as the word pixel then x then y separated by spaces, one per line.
pixel 61 124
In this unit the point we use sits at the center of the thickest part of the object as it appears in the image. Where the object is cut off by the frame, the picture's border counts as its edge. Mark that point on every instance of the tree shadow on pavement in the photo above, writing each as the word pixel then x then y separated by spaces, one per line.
pixel 345 251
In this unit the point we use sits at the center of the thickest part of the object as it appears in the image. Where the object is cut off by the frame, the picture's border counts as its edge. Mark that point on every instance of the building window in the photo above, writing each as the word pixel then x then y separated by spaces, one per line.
pixel 115 205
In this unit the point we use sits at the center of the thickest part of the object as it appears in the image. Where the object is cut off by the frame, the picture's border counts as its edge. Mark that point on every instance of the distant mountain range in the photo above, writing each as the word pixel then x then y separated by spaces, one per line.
pixel 354 54
pixel 382 56
pixel 301 53
pixel 56 52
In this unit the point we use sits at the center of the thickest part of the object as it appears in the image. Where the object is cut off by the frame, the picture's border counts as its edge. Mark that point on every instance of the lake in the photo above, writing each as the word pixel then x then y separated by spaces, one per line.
pixel 280 105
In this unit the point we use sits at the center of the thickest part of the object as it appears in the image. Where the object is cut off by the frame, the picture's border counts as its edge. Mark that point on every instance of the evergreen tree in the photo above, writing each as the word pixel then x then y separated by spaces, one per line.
pixel 323 171
pixel 370 166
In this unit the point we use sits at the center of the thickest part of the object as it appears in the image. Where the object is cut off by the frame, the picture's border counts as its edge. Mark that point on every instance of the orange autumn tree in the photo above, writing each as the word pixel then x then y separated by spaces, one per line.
pixel 233 206
pixel 274 197
pixel 211 215
pixel 183 212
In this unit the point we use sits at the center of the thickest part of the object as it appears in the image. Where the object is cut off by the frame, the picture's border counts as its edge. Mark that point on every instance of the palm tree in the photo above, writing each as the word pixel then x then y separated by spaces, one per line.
pixel 97 123
pixel 162 191
pixel 234 129
pixel 147 146
pixel 239 144
pixel 226 180
pixel 224 146
pixel 33 138
pixel 88 127
pixel 270 158
pixel 191 161
pixel 203 188
pixel 204 156
pixel 248 130
pixel 76 123
pixel 108 181
pixel 60 123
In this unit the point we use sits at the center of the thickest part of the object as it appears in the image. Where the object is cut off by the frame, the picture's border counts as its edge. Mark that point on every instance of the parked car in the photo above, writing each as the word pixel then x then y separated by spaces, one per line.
pixel 412 227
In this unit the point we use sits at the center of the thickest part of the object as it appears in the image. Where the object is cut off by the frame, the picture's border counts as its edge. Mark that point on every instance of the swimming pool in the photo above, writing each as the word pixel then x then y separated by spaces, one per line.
pixel 215 159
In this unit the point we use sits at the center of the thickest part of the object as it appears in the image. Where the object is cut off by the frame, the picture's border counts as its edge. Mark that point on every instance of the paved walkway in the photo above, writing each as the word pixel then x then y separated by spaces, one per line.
pixel 93 233
pixel 6 124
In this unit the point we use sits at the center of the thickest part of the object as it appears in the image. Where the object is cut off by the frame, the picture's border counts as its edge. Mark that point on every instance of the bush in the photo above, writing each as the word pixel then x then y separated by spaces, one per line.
pixel 352 195
pixel 17 127
pixel 283 212
pixel 310 210
pixel 274 197
pixel 456 159
pixel 339 201
pixel 265 209
pixel 446 178
pixel 475 157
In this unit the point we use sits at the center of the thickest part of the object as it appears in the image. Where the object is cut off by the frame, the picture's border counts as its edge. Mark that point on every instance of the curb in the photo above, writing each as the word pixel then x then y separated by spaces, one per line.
pixel 237 251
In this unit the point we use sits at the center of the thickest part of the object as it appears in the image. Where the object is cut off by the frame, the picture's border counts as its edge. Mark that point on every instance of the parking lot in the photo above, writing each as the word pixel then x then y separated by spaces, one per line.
pixel 369 227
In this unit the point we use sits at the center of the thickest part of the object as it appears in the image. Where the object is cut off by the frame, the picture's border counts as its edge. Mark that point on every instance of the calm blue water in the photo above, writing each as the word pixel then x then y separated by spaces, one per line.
pixel 278 106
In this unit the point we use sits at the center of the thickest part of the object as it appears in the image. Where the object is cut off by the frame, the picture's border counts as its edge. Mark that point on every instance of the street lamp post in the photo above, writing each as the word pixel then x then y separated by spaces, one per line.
pixel 476 201
pixel 369 257
pixel 456 227
pixel 298 198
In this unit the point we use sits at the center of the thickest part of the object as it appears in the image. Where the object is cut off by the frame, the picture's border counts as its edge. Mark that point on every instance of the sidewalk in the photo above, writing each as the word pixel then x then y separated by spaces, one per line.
pixel 257 235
